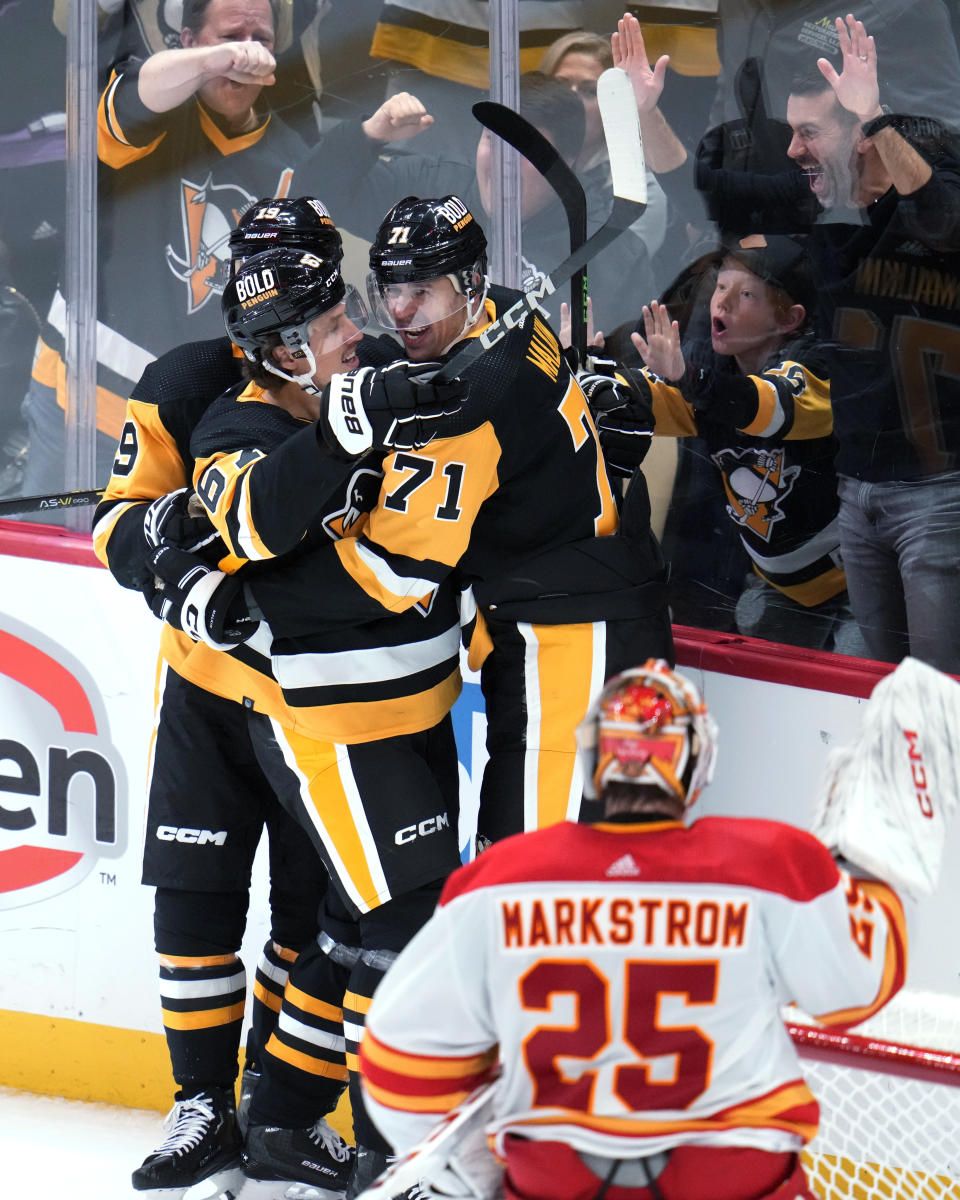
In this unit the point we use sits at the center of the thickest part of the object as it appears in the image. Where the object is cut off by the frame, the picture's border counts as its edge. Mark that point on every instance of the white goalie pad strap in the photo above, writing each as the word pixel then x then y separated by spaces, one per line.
pixel 886 801
pixel 454 1160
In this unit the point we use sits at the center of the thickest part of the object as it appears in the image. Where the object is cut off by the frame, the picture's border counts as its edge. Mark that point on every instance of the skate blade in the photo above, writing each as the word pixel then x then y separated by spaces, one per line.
pixel 283 1189
pixel 223 1185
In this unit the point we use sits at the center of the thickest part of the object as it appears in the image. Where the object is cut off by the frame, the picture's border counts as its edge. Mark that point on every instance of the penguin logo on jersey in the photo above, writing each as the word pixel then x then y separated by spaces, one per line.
pixel 208 212
pixel 360 496
pixel 756 483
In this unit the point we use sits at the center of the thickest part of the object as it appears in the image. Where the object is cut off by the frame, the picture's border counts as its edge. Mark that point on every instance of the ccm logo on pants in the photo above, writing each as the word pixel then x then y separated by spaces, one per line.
pixel 190 837
pixel 410 833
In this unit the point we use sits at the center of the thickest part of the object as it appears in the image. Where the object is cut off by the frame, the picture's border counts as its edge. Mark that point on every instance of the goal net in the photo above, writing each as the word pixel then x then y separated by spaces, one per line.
pixel 889 1094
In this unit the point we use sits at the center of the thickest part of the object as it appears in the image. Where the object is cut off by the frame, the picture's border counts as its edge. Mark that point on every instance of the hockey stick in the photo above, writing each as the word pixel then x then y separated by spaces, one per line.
pixel 527 140
pixel 621 127
pixel 28 504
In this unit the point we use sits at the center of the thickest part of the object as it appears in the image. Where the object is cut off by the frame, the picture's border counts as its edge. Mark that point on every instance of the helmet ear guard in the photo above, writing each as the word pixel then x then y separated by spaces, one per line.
pixel 649 727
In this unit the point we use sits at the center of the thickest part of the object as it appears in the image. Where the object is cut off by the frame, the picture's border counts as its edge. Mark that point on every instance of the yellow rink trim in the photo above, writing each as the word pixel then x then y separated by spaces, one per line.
pixel 836 1178
pixel 54 1056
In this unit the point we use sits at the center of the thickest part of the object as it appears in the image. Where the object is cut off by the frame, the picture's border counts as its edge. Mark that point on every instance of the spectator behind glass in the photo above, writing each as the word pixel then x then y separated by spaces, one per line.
pixel 757 391
pixel 439 50
pixel 578 59
pixel 882 196
pixel 895 383
pixel 362 184
pixel 143 27
pixel 186 142
pixel 922 73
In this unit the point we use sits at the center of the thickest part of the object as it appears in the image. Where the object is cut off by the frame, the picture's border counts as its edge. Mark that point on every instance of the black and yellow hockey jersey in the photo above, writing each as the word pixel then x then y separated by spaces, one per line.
pixel 518 507
pixel 153 458
pixel 770 436
pixel 171 188
pixel 348 680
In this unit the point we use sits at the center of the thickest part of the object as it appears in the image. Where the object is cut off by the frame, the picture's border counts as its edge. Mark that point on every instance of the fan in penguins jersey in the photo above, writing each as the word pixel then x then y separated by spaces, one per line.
pixel 185 140
pixel 206 702
pixel 585 958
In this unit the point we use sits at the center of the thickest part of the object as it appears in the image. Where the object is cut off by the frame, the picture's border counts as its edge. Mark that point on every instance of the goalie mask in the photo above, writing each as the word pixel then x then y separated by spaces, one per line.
pixel 649 727
pixel 419 244
pixel 300 223
pixel 276 295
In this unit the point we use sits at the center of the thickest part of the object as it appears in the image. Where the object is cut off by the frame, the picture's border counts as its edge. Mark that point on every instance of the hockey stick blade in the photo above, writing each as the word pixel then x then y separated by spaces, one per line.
pixel 621 127
pixel 540 152
pixel 62 500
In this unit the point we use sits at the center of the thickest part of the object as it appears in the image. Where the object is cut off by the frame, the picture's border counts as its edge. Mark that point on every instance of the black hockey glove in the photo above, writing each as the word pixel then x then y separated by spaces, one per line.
pixel 204 603
pixel 625 435
pixel 173 520
pixel 391 408
pixel 623 418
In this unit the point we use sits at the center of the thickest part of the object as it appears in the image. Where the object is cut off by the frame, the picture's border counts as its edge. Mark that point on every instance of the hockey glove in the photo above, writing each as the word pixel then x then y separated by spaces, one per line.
pixel 393 408
pixel 625 435
pixel 624 421
pixel 172 519
pixel 205 604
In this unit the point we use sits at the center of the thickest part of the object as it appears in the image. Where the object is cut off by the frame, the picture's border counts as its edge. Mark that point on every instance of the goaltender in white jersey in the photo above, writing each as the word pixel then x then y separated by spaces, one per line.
pixel 626 980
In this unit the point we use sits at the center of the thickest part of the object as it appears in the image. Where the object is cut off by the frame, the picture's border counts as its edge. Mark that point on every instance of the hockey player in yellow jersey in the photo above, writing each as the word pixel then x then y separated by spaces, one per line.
pixel 555 595
pixel 208 701
pixel 515 509
pixel 366 750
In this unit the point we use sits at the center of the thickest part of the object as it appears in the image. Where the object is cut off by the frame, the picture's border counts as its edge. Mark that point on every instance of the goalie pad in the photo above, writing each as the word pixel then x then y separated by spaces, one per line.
pixel 886 801
pixel 453 1162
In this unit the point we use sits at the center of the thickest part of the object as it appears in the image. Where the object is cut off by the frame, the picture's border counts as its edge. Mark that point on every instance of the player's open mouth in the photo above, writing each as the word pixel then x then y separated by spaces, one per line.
pixel 718 325
pixel 349 361
pixel 412 336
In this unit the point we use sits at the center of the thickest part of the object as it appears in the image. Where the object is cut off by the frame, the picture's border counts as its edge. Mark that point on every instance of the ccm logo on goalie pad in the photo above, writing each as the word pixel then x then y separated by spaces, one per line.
pixel 919 774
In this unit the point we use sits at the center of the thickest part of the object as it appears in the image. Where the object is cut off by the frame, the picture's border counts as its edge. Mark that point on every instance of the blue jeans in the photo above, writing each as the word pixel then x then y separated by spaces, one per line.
pixel 900 542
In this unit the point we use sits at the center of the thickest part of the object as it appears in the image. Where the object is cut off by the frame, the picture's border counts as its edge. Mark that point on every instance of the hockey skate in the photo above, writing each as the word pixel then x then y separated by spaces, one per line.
pixel 248 1082
pixel 368 1166
pixel 203 1142
pixel 296 1164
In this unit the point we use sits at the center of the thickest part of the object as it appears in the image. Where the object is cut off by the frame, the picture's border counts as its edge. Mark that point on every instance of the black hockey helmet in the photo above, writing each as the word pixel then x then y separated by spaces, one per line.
pixel 280 292
pixel 300 222
pixel 426 239
pixel 420 240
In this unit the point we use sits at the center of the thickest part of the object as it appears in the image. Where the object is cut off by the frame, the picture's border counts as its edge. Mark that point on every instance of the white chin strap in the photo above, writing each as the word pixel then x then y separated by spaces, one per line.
pixel 305 380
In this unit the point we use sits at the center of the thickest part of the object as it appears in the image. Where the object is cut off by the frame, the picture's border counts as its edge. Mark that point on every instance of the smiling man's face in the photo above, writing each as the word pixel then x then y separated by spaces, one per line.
pixel 824 144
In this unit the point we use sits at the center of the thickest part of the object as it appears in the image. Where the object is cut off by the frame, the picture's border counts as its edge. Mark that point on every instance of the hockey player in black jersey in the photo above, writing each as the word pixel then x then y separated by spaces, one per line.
pixel 206 702
pixel 365 755
pixel 516 509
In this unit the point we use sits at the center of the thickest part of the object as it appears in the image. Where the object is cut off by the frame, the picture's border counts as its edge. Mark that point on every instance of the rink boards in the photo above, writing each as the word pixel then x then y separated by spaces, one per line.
pixel 79 1013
